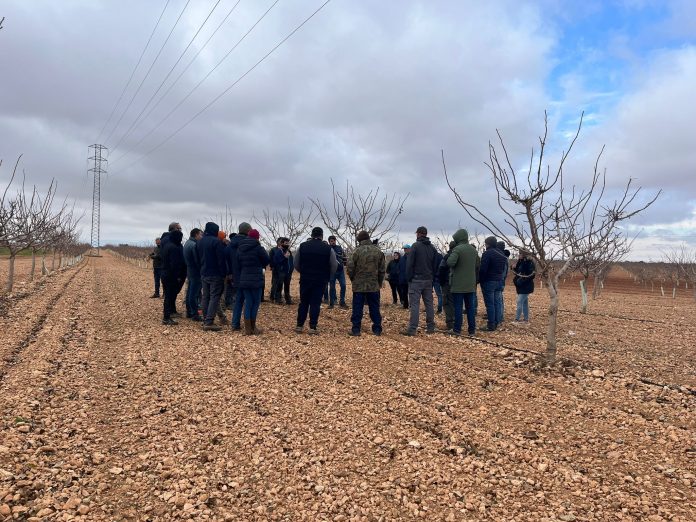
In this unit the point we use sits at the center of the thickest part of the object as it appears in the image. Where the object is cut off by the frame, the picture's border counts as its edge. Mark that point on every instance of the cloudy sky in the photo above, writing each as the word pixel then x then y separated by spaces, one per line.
pixel 365 91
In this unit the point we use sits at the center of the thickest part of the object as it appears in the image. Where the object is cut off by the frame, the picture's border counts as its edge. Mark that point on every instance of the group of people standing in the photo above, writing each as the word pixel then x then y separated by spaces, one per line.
pixel 228 271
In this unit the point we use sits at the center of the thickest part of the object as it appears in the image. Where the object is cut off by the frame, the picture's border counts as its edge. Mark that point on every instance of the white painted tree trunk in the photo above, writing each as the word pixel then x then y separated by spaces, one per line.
pixel 10 274
pixel 583 290
pixel 33 265
pixel 551 347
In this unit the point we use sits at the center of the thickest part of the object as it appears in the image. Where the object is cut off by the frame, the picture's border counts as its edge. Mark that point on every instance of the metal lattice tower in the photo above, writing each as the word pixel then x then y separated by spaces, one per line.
pixel 97 157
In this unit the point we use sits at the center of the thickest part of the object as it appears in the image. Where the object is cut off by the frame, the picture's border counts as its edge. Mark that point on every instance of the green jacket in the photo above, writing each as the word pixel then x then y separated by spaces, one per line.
pixel 464 263
pixel 366 267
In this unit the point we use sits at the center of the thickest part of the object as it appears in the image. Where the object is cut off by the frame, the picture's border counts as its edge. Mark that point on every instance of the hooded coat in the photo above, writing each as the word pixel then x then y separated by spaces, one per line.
pixel 211 252
pixel 464 264
pixel 252 258
pixel 173 264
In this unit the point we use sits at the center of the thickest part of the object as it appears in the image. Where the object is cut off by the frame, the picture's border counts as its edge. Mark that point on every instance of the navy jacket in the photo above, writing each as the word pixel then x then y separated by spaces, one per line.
pixel 494 265
pixel 252 258
pixel 211 252
pixel 173 264
pixel 315 261
pixel 403 280
pixel 393 271
pixel 339 257
pixel 231 258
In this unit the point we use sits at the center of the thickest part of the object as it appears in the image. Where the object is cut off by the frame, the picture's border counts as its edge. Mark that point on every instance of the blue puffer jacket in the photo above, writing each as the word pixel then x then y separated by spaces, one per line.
pixel 211 252
pixel 252 259
pixel 494 265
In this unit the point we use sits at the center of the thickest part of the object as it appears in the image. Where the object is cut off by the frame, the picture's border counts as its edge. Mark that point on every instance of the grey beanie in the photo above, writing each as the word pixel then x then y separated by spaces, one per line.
pixel 244 227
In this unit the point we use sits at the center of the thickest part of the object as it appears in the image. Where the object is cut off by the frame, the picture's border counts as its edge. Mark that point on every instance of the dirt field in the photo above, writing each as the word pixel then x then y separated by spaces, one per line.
pixel 107 415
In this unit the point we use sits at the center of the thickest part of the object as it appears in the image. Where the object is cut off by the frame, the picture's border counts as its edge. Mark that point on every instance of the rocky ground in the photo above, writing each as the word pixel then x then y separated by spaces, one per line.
pixel 107 415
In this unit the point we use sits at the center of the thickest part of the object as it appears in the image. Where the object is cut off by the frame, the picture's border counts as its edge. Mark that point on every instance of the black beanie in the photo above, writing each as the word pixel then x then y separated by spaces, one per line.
pixel 317 232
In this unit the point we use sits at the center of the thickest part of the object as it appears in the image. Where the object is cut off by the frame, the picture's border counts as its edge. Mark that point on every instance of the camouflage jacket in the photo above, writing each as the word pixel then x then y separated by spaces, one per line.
pixel 366 267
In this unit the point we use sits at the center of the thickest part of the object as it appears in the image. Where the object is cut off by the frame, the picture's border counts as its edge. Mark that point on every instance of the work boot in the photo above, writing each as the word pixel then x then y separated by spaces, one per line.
pixel 254 330
pixel 154 296
pixel 247 327
pixel 169 322
pixel 211 327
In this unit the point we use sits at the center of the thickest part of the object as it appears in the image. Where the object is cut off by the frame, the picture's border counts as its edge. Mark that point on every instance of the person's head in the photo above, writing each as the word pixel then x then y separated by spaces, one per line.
pixel 491 242
pixel 363 235
pixel 196 234
pixel 221 235
pixel 244 228
pixel 421 232
pixel 232 234
pixel 254 234
pixel 375 241
pixel 157 241
pixel 284 243
pixel 452 244
pixel 317 233
pixel 522 254
pixel 396 255
pixel 332 240
pixel 500 245
pixel 407 248
pixel 279 241
pixel 211 229
pixel 174 226
pixel 175 236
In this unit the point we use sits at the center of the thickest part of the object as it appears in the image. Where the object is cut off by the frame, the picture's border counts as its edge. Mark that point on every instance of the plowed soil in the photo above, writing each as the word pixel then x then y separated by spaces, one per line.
pixel 105 414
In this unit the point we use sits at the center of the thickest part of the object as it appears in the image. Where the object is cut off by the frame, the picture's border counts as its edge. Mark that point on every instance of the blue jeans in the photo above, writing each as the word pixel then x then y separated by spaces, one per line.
pixel 212 291
pixel 461 301
pixel 341 278
pixel 488 289
pixel 193 296
pixel 157 273
pixel 310 302
pixel 522 307
pixel 499 304
pixel 237 312
pixel 438 293
pixel 252 301
pixel 372 300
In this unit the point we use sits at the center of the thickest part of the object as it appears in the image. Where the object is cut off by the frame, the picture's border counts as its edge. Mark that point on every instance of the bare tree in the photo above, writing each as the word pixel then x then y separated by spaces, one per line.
pixel 293 223
pixel 1 21
pixel 598 263
pixel 351 211
pixel 551 220
pixel 684 262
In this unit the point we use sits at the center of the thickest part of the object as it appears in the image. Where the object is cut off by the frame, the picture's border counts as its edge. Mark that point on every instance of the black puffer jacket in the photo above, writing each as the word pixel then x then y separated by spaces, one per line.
pixel 524 267
pixel 252 258
pixel 173 264
pixel 493 265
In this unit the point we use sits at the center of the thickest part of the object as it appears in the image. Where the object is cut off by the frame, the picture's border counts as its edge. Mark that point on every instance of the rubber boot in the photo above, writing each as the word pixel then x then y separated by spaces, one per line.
pixel 254 330
pixel 247 327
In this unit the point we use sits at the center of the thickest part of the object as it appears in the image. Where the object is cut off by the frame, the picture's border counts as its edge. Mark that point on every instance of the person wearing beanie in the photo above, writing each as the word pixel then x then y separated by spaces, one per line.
pixel 339 276
pixel 392 276
pixel 491 273
pixel 366 269
pixel 233 273
pixel 193 274
pixel 403 280
pixel 173 274
pixel 211 252
pixel 156 256
pixel 464 264
pixel 252 258
pixel 316 263
pixel 276 258
pixel 500 306
pixel 421 268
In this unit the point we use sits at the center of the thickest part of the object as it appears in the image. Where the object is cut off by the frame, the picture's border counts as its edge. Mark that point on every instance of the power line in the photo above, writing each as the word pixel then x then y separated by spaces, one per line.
pixel 176 80
pixel 195 87
pixel 261 60
pixel 171 70
pixel 148 71
pixel 133 71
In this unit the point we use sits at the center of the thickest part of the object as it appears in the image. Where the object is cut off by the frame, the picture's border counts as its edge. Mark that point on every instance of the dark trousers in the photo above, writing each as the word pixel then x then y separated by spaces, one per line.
pixel 193 296
pixel 448 306
pixel 171 290
pixel 157 273
pixel 287 278
pixel 310 301
pixel 394 290
pixel 276 286
pixel 372 301
pixel 212 290
pixel 403 294
pixel 461 301
pixel 438 293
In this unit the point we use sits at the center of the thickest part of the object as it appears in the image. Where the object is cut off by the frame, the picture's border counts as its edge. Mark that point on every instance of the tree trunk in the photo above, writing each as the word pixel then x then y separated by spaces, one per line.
pixel 674 292
pixel 10 274
pixel 53 261
pixel 44 270
pixel 552 287
pixel 597 286
pixel 33 265
pixel 583 290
